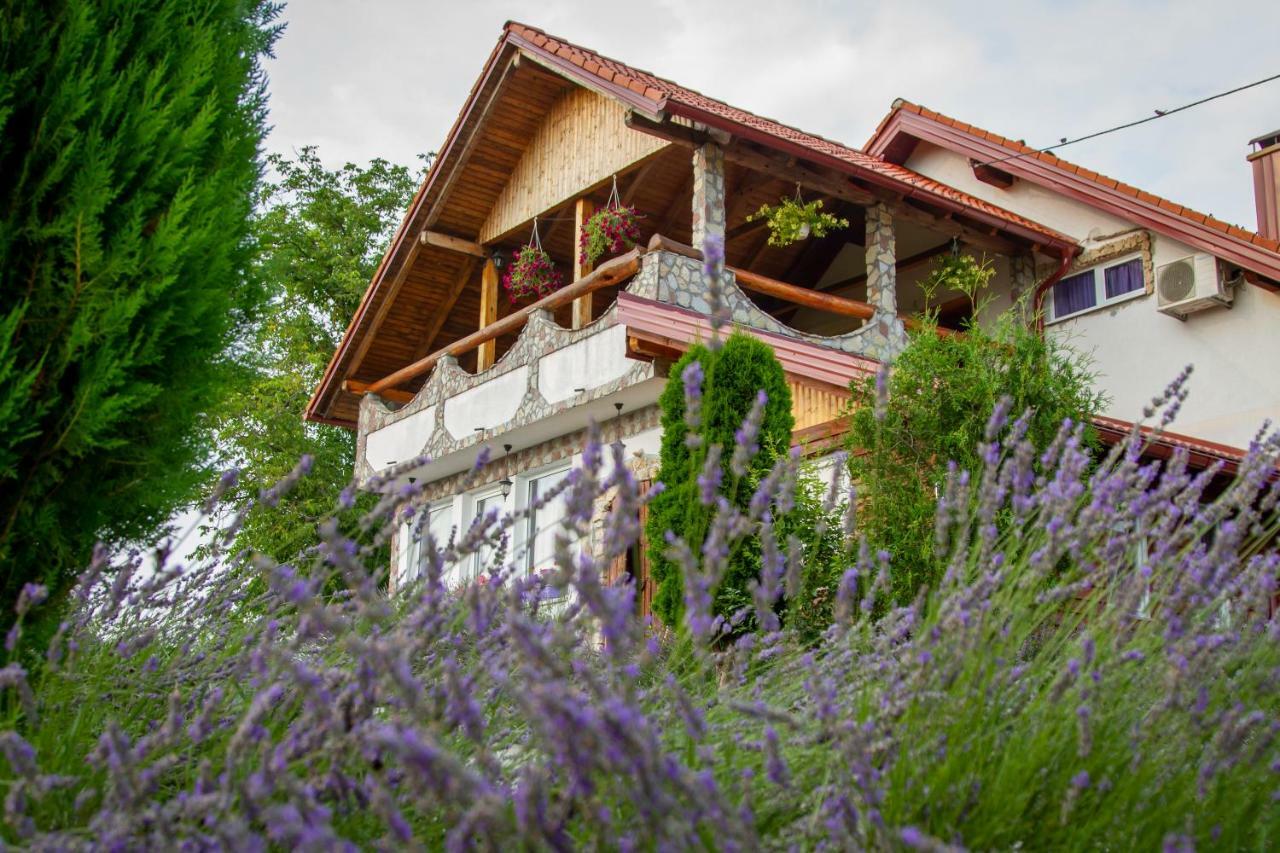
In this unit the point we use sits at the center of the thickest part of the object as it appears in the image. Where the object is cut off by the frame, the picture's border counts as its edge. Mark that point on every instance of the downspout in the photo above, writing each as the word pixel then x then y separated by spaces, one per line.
pixel 1068 255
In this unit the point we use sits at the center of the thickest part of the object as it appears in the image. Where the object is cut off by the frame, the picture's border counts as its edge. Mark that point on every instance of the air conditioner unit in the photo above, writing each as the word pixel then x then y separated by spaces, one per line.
pixel 1191 284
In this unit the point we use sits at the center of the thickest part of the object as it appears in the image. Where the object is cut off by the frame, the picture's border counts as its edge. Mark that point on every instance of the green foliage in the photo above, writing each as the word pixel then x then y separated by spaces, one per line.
pixel 320 234
pixel 824 556
pixel 129 136
pixel 792 219
pixel 734 374
pixel 940 393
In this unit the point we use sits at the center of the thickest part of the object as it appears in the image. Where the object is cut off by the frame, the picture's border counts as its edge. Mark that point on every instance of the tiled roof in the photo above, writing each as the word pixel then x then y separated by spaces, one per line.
pixel 658 94
pixel 1018 147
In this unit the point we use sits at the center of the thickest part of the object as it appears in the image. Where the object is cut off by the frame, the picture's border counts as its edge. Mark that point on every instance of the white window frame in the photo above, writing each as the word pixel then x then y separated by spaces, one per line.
pixel 476 563
pixel 524 504
pixel 1099 288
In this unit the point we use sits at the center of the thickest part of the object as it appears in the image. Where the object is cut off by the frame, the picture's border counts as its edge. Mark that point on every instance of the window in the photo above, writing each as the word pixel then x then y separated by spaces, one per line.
pixel 494 502
pixel 543 521
pixel 410 551
pixel 1094 288
pixel 439 522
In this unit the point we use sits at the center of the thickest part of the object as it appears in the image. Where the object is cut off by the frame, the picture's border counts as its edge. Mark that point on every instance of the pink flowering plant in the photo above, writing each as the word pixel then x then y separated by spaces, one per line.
pixel 531 274
pixel 610 230
pixel 1096 667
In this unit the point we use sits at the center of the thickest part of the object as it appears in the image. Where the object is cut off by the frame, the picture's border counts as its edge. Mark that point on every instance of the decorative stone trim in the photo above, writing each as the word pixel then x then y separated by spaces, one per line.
pixel 540 336
pixel 1136 241
pixel 679 280
pixel 708 193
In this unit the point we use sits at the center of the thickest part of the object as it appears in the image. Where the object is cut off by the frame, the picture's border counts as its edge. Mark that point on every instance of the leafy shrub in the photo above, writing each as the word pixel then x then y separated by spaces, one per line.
pixel 1098 673
pixel 929 413
pixel 739 398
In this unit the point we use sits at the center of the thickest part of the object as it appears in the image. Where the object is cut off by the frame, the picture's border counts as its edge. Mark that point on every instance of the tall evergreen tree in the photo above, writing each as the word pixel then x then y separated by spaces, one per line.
pixel 319 235
pixel 129 157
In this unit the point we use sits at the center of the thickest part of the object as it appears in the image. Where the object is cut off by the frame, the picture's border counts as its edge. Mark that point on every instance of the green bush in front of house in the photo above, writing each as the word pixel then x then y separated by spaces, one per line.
pixel 733 375
pixel 931 412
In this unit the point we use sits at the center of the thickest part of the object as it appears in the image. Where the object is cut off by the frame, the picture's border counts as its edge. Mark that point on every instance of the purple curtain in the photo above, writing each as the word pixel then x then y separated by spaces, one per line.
pixel 1123 278
pixel 1074 293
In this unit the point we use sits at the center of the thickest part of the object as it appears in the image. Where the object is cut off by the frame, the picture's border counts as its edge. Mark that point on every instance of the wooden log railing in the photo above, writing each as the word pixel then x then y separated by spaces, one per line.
pixel 607 274
pixel 800 296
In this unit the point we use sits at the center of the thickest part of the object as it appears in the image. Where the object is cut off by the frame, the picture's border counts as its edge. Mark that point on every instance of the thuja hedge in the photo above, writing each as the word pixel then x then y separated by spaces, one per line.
pixel 1098 673
pixel 713 400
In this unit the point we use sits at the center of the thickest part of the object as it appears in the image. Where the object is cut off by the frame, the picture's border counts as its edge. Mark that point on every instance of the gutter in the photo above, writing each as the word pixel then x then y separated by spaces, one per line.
pixel 1043 288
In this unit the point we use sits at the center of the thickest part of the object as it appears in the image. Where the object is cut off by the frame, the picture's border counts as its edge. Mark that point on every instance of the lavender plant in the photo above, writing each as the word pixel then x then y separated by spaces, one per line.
pixel 1099 672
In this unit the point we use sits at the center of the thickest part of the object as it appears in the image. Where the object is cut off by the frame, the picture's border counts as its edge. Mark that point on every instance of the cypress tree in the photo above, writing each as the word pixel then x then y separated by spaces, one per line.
pixel 734 375
pixel 129 156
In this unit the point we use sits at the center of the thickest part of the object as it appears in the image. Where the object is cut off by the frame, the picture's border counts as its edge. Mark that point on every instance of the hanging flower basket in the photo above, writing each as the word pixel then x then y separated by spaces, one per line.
pixel 610 230
pixel 531 274
pixel 793 219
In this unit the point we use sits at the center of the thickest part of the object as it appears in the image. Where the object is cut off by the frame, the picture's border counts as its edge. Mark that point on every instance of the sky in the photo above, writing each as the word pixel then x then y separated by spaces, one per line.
pixel 386 78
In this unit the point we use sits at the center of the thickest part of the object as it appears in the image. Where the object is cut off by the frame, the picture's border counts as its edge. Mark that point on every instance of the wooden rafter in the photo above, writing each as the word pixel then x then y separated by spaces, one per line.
pixel 454 244
pixel 441 314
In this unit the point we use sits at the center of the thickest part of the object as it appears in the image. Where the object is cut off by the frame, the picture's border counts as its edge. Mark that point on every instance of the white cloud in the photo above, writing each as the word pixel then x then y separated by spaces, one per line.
pixel 386 79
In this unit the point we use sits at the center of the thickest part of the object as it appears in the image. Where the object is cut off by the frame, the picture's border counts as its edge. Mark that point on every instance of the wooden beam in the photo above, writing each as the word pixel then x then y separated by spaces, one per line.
pixel 454 244
pixel 395 395
pixel 901 266
pixel 582 307
pixel 781 167
pixel 488 314
pixel 989 174
pixel 803 296
pixel 611 272
pixel 441 314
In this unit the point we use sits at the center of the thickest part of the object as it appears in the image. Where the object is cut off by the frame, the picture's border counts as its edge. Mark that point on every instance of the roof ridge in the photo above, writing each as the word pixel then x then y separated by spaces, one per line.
pixel 676 87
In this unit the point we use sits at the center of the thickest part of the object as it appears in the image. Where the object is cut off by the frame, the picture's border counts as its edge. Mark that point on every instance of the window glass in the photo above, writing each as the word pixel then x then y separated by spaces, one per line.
pixel 440 525
pixel 1123 278
pixel 484 556
pixel 410 550
pixel 544 521
pixel 1073 294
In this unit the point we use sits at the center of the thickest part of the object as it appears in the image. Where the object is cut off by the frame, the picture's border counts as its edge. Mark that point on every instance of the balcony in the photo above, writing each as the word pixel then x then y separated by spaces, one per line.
pixel 554 380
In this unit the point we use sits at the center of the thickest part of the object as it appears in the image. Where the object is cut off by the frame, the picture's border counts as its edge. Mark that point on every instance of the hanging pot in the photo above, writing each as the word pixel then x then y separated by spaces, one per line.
pixel 803 231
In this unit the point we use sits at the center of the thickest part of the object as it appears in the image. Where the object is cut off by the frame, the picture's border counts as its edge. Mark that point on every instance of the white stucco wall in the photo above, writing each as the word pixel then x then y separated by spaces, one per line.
pixel 590 363
pixel 400 441
pixel 1137 350
pixel 488 405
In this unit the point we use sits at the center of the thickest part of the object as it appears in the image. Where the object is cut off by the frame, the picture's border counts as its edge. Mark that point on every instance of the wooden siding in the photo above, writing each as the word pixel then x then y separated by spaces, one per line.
pixel 812 405
pixel 581 142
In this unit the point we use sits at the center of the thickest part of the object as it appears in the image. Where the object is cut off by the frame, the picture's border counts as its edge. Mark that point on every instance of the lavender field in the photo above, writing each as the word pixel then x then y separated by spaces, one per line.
pixel 1096 669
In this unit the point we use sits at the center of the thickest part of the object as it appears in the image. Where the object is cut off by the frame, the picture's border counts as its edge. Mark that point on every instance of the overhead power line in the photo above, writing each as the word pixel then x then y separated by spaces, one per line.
pixel 1159 114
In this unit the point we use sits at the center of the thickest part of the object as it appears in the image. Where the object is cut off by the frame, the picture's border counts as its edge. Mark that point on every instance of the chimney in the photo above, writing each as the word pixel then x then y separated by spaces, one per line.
pixel 1265 158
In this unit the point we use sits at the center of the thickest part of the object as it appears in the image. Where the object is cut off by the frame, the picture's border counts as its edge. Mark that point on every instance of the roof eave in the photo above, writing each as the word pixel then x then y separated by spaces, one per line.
pixel 1245 253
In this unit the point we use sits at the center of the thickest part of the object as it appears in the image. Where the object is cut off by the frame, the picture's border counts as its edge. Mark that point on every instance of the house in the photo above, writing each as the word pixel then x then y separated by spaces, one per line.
pixel 437 363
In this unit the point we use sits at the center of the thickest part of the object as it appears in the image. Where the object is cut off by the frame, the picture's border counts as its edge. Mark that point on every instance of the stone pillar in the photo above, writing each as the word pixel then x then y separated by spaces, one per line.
pixel 708 193
pixel 882 274
pixel 1022 280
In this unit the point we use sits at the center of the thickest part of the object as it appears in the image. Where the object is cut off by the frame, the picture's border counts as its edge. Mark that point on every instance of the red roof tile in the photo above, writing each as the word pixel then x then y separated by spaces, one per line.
pixel 666 95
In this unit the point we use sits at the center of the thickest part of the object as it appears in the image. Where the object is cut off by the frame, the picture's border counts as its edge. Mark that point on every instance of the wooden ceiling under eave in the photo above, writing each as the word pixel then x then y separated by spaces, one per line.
pixel 435 299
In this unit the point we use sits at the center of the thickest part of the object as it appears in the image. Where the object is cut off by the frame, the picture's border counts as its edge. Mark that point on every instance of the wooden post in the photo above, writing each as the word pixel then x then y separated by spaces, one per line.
pixel 488 313
pixel 582 306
